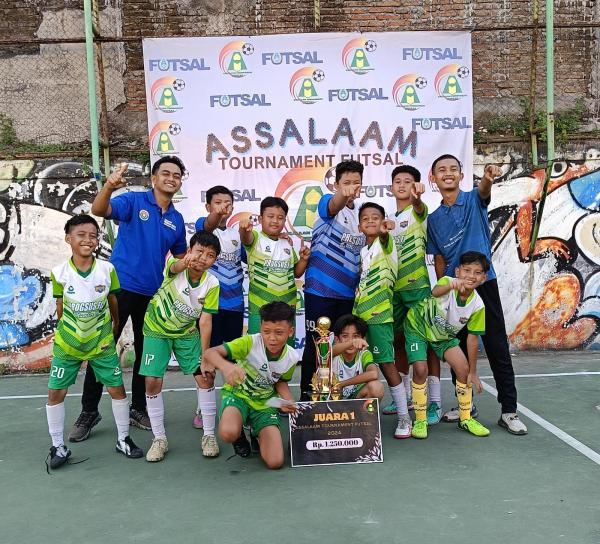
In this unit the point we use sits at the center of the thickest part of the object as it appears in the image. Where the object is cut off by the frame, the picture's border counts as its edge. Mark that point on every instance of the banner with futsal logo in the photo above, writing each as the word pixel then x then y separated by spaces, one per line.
pixel 272 115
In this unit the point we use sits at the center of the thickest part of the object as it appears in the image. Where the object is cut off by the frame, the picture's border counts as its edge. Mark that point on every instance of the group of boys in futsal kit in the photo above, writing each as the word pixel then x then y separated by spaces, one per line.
pixel 365 271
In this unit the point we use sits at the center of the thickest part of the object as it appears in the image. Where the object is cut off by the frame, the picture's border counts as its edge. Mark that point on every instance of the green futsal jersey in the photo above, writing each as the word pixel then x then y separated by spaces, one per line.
pixel 179 302
pixel 410 236
pixel 262 372
pixel 270 272
pixel 439 319
pixel 84 331
pixel 344 370
pixel 378 268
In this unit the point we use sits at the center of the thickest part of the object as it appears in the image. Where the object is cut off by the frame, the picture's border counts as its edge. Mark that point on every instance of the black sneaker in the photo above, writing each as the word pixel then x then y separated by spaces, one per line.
pixel 83 426
pixel 241 446
pixel 128 448
pixel 58 456
pixel 139 419
pixel 254 446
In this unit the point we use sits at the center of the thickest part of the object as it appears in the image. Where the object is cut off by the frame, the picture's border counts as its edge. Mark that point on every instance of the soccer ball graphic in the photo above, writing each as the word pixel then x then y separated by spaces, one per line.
pixel 463 71
pixel 247 49
pixel 370 45
pixel 420 82
pixel 179 84
pixel 318 75
pixel 329 178
pixel 174 129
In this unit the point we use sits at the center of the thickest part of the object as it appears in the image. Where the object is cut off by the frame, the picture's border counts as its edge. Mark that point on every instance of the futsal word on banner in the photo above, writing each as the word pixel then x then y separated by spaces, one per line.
pixel 336 432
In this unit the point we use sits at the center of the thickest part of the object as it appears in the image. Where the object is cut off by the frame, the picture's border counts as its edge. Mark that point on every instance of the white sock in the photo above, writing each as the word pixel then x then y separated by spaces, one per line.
pixel 207 400
pixel 198 411
pixel 156 413
pixel 434 390
pixel 120 410
pixel 399 395
pixel 407 386
pixel 56 423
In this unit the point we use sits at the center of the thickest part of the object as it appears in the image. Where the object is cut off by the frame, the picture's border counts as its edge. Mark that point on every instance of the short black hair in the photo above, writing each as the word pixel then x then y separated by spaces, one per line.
pixel 278 311
pixel 273 202
pixel 171 160
pixel 371 205
pixel 443 157
pixel 348 320
pixel 217 190
pixel 206 239
pixel 81 219
pixel 407 169
pixel 471 257
pixel 348 166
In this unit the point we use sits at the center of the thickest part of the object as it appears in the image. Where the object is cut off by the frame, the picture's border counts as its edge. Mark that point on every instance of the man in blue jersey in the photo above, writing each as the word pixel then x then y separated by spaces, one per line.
pixel 228 322
pixel 458 226
pixel 334 264
pixel 149 228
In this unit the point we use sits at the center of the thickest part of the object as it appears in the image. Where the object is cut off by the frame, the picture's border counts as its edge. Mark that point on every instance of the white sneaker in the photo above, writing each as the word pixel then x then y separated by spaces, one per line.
pixel 512 424
pixel 210 447
pixel 404 428
pixel 453 416
pixel 157 450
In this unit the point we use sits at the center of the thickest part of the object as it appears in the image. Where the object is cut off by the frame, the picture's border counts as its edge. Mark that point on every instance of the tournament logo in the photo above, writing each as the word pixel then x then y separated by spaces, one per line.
pixel 164 94
pixel 302 188
pixel 354 55
pixel 163 138
pixel 232 58
pixel 302 84
pixel 144 215
pixel 99 288
pixel 448 81
pixel 406 92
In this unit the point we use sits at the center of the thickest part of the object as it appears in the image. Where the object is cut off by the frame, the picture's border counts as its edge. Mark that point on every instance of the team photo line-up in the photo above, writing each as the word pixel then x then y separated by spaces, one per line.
pixel 363 270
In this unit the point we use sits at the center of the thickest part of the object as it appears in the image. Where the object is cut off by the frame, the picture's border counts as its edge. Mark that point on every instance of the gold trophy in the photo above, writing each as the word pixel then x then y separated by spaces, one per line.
pixel 324 380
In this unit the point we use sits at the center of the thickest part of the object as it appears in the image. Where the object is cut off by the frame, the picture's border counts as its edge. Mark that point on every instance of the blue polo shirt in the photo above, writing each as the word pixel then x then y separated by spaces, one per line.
pixel 464 226
pixel 145 237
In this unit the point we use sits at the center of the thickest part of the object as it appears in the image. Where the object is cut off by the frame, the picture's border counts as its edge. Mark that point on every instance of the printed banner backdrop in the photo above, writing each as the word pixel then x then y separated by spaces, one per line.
pixel 273 115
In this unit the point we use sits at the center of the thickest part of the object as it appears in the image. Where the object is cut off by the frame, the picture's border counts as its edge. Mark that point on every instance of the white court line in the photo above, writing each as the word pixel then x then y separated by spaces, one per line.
pixel 559 433
pixel 179 389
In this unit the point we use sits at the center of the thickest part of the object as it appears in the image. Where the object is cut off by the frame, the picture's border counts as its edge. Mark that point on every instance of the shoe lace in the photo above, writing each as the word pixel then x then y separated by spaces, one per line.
pixel 85 419
pixel 69 462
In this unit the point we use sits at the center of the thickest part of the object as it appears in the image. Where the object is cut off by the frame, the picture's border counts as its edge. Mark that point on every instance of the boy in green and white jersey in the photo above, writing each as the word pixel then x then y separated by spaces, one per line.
pixel 352 362
pixel 273 263
pixel 189 292
pixel 435 322
pixel 85 288
pixel 412 284
pixel 263 365
pixel 373 302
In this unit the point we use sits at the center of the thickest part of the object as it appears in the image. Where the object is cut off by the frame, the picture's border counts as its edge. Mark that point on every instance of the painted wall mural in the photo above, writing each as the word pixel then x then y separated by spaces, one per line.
pixel 551 297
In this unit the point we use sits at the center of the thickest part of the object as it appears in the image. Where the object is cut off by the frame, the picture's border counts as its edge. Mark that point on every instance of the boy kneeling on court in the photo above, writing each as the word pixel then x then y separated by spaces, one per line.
pixel 264 364
pixel 352 362
pixel 435 321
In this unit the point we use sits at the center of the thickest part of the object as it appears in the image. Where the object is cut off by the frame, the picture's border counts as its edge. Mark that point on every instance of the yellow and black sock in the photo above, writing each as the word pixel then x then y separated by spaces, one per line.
pixel 419 395
pixel 464 394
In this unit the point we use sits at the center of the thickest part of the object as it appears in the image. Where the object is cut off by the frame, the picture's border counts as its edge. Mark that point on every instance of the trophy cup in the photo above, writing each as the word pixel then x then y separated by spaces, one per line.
pixel 324 380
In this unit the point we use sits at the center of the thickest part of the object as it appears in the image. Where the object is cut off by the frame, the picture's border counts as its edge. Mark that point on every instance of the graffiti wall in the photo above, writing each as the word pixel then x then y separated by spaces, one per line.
pixel 551 296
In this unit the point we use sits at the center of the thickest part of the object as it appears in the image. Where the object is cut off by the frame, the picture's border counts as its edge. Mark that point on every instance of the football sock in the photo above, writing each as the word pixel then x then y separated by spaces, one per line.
pixel 156 413
pixel 399 395
pixel 464 394
pixel 120 410
pixel 434 389
pixel 406 381
pixel 419 395
pixel 56 423
pixel 207 400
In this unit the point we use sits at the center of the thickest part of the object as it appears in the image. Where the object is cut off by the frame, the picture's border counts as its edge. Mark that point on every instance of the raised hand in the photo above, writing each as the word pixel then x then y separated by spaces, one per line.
pixel 116 180
pixel 349 191
pixel 416 191
pixel 304 251
pixel 360 343
pixel 387 225
pixel 246 224
pixel 224 209
pixel 492 172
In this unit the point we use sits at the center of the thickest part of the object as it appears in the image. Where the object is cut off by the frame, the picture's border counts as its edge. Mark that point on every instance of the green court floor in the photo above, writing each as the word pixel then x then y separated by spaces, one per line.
pixel 450 488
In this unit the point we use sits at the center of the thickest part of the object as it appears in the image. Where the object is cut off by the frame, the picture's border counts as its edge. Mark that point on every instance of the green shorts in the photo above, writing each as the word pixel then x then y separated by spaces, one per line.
pixel 381 342
pixel 157 354
pixel 257 419
pixel 353 394
pixel 254 328
pixel 404 301
pixel 63 372
pixel 416 346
